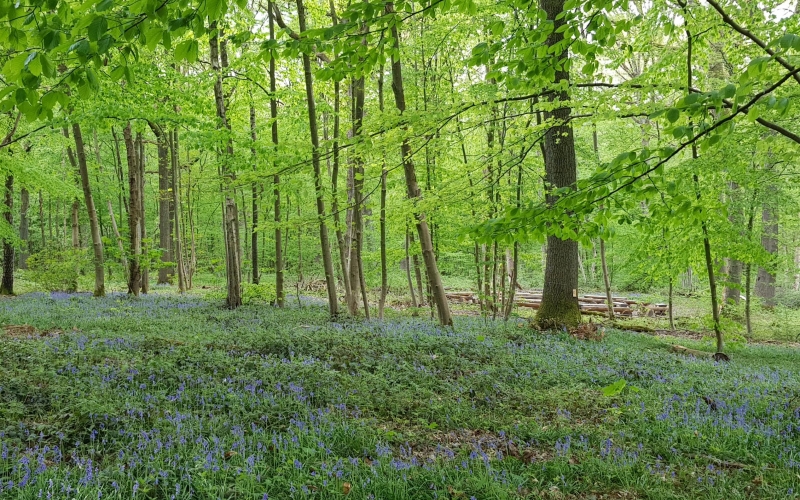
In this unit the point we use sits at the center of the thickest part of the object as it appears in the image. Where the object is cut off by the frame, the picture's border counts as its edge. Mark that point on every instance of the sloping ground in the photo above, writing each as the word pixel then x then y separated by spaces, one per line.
pixel 168 397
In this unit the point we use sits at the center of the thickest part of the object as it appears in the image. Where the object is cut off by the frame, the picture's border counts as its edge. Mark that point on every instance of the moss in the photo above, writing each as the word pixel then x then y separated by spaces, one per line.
pixel 556 314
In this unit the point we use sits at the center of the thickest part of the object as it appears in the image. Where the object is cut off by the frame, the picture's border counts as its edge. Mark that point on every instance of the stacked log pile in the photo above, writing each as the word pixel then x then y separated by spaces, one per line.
pixel 590 304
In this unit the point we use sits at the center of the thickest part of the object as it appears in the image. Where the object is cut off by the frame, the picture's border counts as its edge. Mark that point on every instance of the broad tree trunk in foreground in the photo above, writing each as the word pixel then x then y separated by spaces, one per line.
pixel 134 213
pixel 327 261
pixel 414 193
pixel 97 241
pixel 560 293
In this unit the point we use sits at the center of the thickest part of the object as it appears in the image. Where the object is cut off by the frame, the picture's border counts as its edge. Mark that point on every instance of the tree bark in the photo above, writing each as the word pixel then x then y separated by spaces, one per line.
pixel 176 212
pixel 144 263
pixel 276 179
pixel 118 237
pixel 712 283
pixel 765 280
pixel 333 301
pixel 41 219
pixel 255 191
pixel 384 174
pixel 607 281
pixel 97 241
pixel 559 306
pixel 233 270
pixel 134 213
pixel 7 282
pixel 24 236
pixel 414 193
pixel 165 273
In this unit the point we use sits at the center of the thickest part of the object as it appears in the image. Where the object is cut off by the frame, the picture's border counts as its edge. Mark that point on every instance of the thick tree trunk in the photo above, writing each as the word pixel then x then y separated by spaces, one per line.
pixel 24 236
pixel 356 263
pixel 97 241
pixel 165 273
pixel 384 173
pixel 219 61
pixel 765 280
pixel 325 248
pixel 134 213
pixel 435 279
pixel 559 306
pixel 7 282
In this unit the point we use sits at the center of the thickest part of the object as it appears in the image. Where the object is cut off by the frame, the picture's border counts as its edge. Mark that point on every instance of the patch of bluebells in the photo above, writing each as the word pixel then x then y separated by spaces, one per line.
pixel 255 410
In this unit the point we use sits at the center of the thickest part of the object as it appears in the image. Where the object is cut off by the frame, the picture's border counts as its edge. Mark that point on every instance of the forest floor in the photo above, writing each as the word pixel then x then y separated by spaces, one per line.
pixel 175 397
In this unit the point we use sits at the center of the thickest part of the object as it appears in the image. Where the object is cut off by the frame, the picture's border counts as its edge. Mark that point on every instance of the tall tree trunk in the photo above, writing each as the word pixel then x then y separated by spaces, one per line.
pixel 748 270
pixel 42 221
pixel 712 283
pixel 384 173
pixel 144 264
pixel 437 288
pixel 97 241
pixel 134 213
pixel 176 212
pixel 165 273
pixel 24 251
pixel 276 179
pixel 733 285
pixel 233 270
pixel 559 306
pixel 255 191
pixel 607 281
pixel 7 282
pixel 325 248
pixel 358 192
pixel 120 244
pixel 414 303
pixel 765 280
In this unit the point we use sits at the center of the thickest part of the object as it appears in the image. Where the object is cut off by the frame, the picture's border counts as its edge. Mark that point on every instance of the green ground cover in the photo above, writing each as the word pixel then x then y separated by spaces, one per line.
pixel 174 397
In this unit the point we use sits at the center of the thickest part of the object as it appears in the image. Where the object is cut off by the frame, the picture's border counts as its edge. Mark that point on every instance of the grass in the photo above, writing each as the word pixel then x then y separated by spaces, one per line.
pixel 174 397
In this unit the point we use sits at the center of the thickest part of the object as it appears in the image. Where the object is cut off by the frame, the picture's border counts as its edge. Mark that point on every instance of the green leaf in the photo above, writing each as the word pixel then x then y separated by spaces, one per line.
pixel 97 28
pixel 35 64
pixel 104 5
pixel 614 389
pixel 673 114
pixel 13 67
pixel 91 77
pixel 117 73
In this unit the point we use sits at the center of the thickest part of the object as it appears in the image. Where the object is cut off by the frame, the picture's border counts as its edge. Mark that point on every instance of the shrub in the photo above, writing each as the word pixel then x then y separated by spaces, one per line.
pixel 57 270
pixel 261 293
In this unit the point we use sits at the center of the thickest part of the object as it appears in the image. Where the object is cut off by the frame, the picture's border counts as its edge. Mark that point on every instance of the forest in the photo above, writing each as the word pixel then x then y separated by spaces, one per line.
pixel 414 249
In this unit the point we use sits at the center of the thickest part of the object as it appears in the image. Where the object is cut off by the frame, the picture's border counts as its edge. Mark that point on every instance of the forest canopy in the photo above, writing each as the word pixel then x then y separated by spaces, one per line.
pixel 388 144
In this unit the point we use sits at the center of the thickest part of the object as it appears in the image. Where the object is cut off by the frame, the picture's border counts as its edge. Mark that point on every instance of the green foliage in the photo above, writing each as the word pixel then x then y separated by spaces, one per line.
pixel 93 376
pixel 263 293
pixel 57 270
